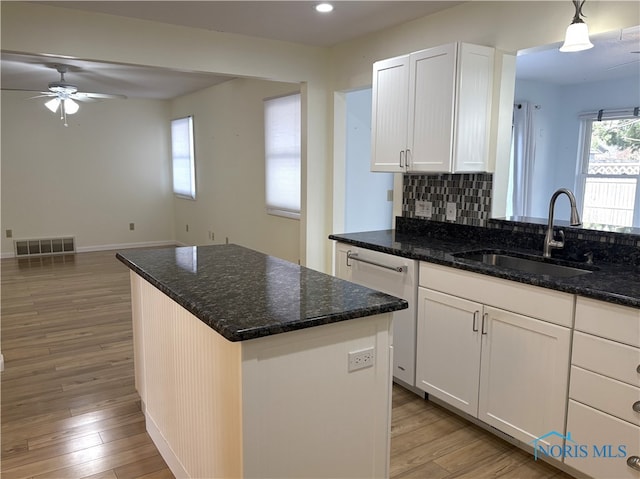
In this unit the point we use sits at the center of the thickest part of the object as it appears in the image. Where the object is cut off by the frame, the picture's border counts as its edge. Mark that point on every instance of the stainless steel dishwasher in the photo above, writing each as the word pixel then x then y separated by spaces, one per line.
pixel 393 275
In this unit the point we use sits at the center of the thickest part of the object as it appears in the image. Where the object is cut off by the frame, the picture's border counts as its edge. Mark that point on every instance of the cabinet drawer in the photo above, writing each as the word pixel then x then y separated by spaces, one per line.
pixel 594 429
pixel 607 320
pixel 607 395
pixel 546 304
pixel 615 360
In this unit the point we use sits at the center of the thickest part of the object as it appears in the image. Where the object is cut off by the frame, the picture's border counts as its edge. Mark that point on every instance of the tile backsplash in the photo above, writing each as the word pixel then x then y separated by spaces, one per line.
pixel 471 192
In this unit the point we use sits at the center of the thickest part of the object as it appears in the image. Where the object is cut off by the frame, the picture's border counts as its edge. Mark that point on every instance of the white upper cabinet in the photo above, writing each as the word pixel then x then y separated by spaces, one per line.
pixel 390 103
pixel 432 110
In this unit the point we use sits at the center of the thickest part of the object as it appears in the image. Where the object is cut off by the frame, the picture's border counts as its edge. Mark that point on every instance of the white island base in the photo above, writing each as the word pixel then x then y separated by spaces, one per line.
pixel 280 406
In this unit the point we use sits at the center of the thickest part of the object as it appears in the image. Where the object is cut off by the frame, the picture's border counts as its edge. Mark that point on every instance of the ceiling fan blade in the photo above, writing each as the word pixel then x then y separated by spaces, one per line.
pixel 43 95
pixel 22 89
pixel 81 95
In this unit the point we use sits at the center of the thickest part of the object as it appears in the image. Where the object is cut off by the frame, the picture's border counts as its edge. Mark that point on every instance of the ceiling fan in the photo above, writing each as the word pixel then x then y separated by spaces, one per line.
pixel 64 95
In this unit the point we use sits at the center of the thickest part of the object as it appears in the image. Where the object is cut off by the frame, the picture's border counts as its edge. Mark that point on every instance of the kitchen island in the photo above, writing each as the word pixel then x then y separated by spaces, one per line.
pixel 251 366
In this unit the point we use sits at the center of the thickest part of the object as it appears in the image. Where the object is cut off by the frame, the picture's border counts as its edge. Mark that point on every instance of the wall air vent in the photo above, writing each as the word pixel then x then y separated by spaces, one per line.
pixel 44 246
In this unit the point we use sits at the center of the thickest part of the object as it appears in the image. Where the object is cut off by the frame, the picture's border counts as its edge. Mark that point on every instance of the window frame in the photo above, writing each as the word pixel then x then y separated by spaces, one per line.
pixel 192 194
pixel 584 147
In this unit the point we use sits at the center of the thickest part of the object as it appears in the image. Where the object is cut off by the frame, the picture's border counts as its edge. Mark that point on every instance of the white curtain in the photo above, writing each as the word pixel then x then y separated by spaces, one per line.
pixel 523 153
pixel 282 150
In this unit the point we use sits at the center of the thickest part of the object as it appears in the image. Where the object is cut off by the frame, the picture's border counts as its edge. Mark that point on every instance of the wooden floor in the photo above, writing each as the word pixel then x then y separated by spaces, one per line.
pixel 69 407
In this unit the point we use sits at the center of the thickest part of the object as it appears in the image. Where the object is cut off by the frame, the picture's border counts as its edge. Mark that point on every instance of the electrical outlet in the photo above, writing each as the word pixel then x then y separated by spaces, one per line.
pixel 361 359
pixel 132 226
pixel 451 212
pixel 424 209
pixel 226 240
pixel 9 233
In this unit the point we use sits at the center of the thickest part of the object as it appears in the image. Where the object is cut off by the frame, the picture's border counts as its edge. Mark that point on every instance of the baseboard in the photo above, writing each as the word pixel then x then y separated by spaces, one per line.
pixel 164 448
pixel 109 247
pixel 409 387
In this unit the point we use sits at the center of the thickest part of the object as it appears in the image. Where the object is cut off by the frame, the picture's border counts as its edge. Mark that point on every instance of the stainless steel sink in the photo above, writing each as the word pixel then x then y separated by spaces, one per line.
pixel 519 263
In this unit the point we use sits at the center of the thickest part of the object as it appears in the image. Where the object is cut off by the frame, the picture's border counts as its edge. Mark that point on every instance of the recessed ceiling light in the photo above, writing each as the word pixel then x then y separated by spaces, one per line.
pixel 324 7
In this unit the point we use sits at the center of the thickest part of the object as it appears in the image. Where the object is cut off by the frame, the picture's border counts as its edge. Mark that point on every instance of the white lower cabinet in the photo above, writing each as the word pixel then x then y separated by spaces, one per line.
pixel 604 396
pixel 523 375
pixel 448 352
pixel 509 370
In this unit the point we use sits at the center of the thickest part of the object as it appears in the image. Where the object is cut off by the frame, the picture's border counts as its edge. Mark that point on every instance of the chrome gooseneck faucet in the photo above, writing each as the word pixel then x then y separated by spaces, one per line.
pixel 550 242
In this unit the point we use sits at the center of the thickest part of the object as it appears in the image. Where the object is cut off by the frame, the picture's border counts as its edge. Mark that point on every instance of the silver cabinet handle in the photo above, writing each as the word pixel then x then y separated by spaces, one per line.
pixel 485 317
pixel 638 369
pixel 636 406
pixel 634 463
pixel 401 158
pixel 475 319
pixel 354 256
pixel 406 160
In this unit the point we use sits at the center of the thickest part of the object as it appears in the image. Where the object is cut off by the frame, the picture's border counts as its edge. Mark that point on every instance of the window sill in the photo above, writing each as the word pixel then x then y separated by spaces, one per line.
pixel 283 213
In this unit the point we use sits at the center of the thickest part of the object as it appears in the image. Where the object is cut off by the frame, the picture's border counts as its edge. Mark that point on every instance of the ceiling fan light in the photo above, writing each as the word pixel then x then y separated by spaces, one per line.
pixel 70 106
pixel 576 38
pixel 53 104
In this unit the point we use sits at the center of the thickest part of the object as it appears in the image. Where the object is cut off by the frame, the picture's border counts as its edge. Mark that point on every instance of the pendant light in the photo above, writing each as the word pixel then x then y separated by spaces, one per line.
pixel 577 36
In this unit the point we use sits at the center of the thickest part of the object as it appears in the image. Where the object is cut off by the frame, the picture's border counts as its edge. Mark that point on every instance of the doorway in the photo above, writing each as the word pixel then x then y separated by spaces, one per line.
pixel 368 204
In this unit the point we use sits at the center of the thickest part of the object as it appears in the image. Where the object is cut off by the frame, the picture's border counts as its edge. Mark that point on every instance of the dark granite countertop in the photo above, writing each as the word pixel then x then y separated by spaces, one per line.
pixel 243 294
pixel 614 283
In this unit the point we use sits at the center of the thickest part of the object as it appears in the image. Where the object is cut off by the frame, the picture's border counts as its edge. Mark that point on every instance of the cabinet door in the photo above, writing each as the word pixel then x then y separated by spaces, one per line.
pixel 389 114
pixel 432 83
pixel 448 349
pixel 473 108
pixel 524 375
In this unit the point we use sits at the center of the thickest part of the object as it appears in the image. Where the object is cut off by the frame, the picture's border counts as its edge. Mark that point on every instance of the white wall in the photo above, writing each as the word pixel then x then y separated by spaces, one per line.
pixel 558 128
pixel 107 169
pixel 509 26
pixel 31 28
pixel 506 25
pixel 230 170
pixel 366 205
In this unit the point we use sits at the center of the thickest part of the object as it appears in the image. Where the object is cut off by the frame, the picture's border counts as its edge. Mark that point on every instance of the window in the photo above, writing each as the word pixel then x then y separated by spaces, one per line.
pixel 182 152
pixel 282 155
pixel 610 173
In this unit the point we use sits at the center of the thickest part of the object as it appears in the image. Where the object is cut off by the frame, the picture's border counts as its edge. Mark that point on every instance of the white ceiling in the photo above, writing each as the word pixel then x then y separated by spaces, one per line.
pixel 292 21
